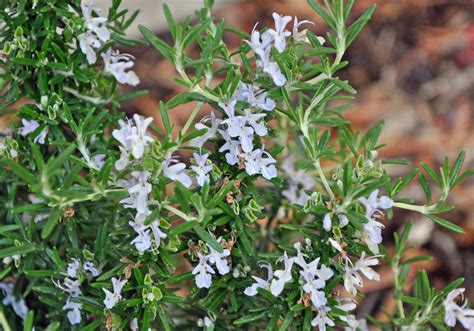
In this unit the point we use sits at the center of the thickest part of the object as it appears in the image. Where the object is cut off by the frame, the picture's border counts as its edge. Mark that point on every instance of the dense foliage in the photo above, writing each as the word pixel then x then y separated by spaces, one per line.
pixel 276 220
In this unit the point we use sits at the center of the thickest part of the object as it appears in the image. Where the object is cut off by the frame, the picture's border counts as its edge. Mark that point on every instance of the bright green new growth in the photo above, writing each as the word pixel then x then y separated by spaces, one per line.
pixel 94 234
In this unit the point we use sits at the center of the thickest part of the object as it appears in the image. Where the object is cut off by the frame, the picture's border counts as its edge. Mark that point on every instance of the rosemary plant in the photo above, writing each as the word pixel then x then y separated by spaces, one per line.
pixel 274 223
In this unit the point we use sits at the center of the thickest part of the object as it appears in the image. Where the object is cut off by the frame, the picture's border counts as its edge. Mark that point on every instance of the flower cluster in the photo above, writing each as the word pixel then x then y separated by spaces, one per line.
pixel 312 278
pixel 203 271
pixel 238 130
pixel 372 234
pixel 95 36
pixel 238 135
pixel 149 234
pixel 262 43
pixel 72 286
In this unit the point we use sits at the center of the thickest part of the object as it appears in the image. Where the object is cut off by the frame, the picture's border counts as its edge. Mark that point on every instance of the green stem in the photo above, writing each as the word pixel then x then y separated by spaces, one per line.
pixel 4 322
pixel 94 100
pixel 420 209
pixel 397 285
pixel 325 182
pixel 190 120
pixel 204 93
pixel 179 213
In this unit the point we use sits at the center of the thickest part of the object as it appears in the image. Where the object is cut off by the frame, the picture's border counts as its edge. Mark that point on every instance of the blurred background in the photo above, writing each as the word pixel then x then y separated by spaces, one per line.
pixel 413 67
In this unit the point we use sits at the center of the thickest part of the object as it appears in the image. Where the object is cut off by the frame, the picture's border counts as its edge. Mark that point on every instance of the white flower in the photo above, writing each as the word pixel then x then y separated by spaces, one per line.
pixel 74 313
pixel 355 324
pixel 89 266
pixel 246 139
pixel 343 220
pixel 111 299
pixel 176 171
pixel 122 135
pixel 87 42
pixel 373 234
pixel 259 282
pixel 138 188
pixel 201 169
pixel 254 121
pixel 364 264
pixel 327 222
pixel 315 278
pixel 271 68
pixel 322 319
pixel 96 34
pixel 99 160
pixel 346 304
pixel 374 204
pixel 142 241
pixel 255 163
pixel 18 304
pixel 134 324
pixel 206 322
pixel 312 268
pixel 29 127
pixel 73 268
pixel 235 124
pixel 312 286
pixel 95 24
pixel 455 312
pixel 279 34
pixel 284 276
pixel 232 146
pixel 211 131
pixel 72 287
pixel 336 245
pixel 203 272
pixel 353 279
pixel 259 43
pixel 116 64
pixel 140 138
pixel 300 36
pixel 133 139
pixel 218 259
pixel 251 94
pixel 157 233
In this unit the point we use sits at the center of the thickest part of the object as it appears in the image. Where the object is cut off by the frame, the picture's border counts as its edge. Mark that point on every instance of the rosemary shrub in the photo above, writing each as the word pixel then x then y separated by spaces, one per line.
pixel 274 223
